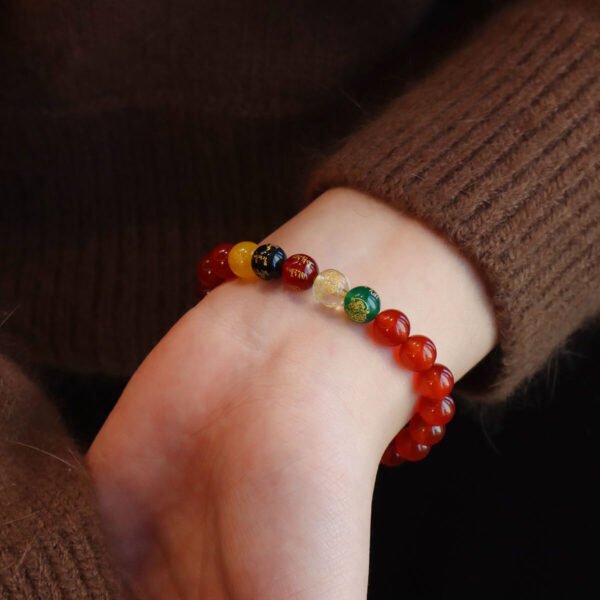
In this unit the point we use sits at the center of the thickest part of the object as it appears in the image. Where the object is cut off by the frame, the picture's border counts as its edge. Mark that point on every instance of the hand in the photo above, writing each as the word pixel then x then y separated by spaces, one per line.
pixel 240 460
pixel 235 465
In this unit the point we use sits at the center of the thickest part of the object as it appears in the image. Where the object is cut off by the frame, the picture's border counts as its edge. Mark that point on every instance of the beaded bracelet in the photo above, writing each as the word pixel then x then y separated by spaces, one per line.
pixel 433 382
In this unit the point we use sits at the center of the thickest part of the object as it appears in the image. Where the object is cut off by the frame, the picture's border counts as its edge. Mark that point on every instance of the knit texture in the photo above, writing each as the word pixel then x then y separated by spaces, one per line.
pixel 136 135
pixel 51 546
pixel 130 144
pixel 498 150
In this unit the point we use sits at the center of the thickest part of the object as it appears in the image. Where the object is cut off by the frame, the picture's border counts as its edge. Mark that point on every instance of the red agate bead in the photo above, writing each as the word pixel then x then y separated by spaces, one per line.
pixel 300 270
pixel 417 354
pixel 408 449
pixel 435 383
pixel 206 278
pixel 390 327
pixel 436 412
pixel 390 457
pixel 424 433
pixel 219 260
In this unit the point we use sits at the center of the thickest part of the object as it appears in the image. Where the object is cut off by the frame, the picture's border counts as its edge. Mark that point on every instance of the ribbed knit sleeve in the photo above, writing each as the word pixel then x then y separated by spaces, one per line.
pixel 51 545
pixel 498 149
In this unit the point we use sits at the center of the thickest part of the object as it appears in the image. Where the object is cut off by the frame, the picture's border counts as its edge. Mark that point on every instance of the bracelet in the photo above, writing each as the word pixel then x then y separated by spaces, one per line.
pixel 433 382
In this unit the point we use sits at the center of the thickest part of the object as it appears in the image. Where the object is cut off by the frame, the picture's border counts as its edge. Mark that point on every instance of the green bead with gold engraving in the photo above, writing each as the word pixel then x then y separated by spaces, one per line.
pixel 362 304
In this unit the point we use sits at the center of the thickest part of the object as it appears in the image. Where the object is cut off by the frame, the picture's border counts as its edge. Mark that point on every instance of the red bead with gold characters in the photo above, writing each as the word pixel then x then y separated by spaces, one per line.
pixel 299 271
pixel 206 278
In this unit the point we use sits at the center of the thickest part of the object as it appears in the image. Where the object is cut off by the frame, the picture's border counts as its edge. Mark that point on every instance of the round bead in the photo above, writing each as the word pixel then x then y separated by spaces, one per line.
pixel 435 383
pixel 436 412
pixel 300 271
pixel 408 449
pixel 206 278
pixel 240 259
pixel 423 433
pixel 330 287
pixel 362 304
pixel 417 354
pixel 219 262
pixel 267 261
pixel 390 327
pixel 390 457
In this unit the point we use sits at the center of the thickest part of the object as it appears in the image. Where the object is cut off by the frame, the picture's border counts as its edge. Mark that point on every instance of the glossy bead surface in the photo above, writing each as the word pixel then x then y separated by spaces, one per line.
pixel 408 449
pixel 219 262
pixel 240 260
pixel 267 261
pixel 330 287
pixel 418 353
pixel 390 457
pixel 206 278
pixel 435 383
pixel 362 304
pixel 390 327
pixel 300 271
pixel 436 412
pixel 424 433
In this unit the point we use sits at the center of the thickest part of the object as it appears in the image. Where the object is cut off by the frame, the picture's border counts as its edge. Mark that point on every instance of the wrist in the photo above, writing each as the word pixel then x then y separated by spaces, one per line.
pixel 313 356
pixel 410 267
pixel 413 269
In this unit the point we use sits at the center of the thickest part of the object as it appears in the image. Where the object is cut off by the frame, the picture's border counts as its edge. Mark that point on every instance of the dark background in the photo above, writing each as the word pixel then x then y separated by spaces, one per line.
pixel 507 505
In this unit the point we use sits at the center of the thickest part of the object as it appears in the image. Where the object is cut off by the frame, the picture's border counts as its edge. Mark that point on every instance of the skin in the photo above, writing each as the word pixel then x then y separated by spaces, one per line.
pixel 241 458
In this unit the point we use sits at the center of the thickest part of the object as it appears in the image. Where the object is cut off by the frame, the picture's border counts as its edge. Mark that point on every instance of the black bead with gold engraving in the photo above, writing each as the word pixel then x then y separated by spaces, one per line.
pixel 267 261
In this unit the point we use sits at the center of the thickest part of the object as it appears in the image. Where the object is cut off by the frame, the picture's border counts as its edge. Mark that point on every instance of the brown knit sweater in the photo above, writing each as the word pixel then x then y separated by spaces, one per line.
pixel 135 135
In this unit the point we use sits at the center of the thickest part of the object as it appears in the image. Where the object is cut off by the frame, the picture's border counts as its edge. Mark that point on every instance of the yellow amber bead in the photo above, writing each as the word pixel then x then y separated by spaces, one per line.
pixel 330 287
pixel 240 260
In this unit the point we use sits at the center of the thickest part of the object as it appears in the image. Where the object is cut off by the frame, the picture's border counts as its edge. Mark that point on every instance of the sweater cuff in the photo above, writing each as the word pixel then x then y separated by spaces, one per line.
pixel 51 544
pixel 497 150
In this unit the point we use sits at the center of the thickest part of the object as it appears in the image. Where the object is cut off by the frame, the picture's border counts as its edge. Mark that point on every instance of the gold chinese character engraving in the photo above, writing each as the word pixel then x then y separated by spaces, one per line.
pixel 358 310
